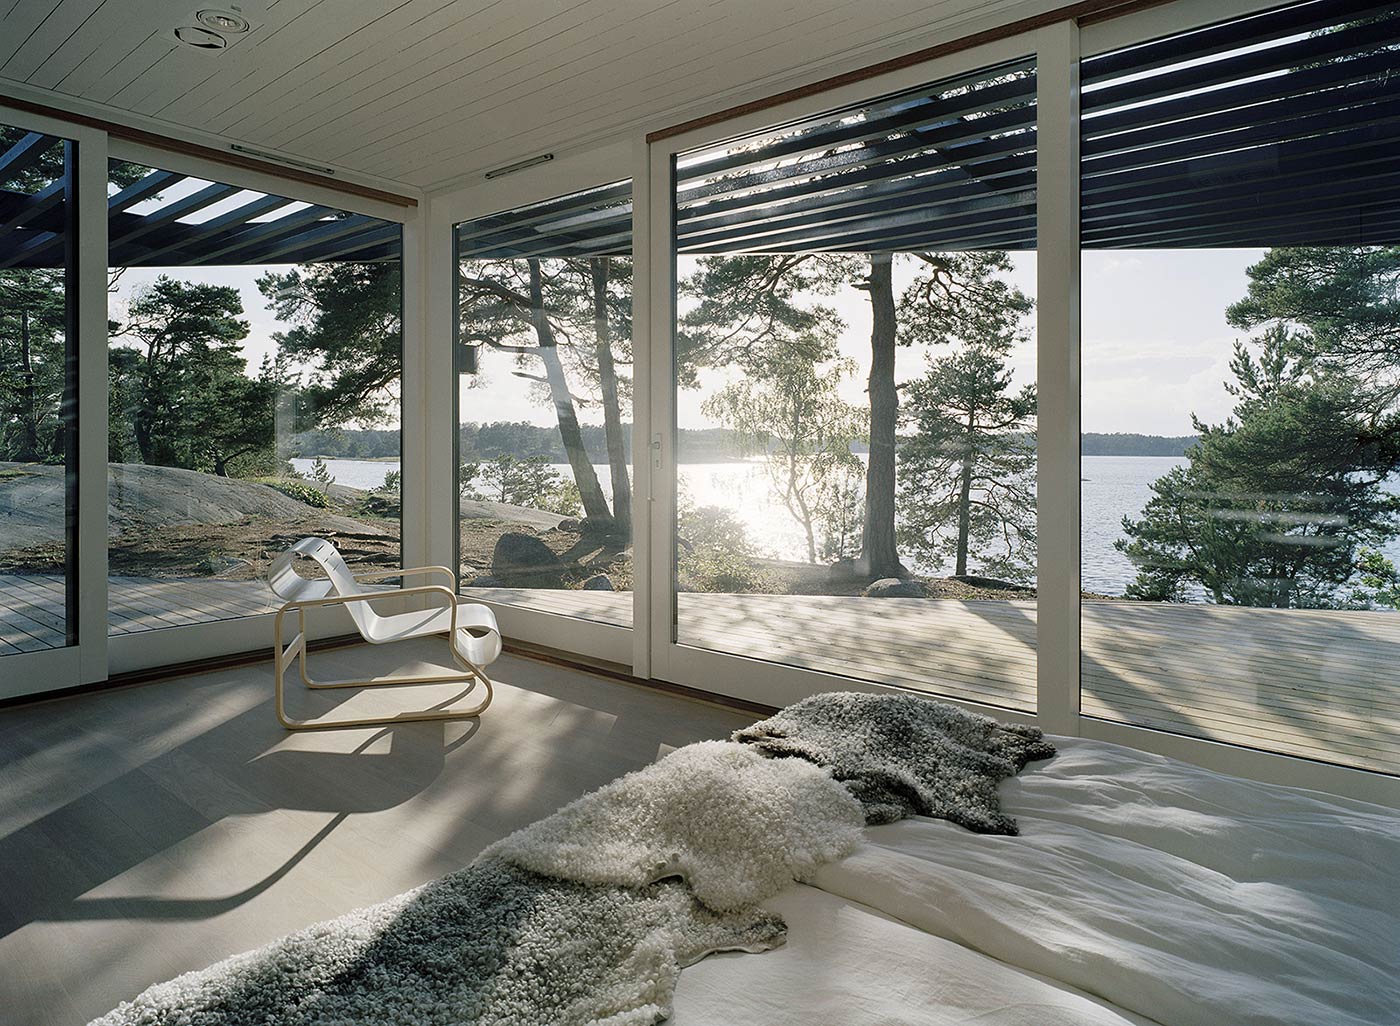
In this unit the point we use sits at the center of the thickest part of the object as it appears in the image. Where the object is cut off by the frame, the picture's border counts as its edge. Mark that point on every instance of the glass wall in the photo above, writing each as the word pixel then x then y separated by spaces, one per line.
pixel 1241 383
pixel 38 414
pixel 544 361
pixel 255 355
pixel 855 391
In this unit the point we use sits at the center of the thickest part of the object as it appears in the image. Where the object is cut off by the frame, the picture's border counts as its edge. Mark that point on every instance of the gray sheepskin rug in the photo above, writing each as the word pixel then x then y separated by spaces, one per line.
pixel 736 826
pixel 902 755
pixel 489 945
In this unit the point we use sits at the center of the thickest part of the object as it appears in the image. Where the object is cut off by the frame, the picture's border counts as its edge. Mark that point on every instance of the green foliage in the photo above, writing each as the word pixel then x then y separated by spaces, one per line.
pixel 794 415
pixel 841 513
pixel 1379 581
pixel 962 298
pixel 721 572
pixel 180 393
pixel 528 482
pixel 714 554
pixel 391 484
pixel 750 310
pixel 299 490
pixel 321 474
pixel 32 360
pixel 967 475
pixel 1275 504
pixel 346 327
pixel 565 321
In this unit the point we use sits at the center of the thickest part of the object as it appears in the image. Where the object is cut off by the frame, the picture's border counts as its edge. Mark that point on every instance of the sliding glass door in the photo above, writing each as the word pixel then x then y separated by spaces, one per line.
pixel 850 416
pixel 1241 403
pixel 49 637
pixel 255 365
pixel 543 361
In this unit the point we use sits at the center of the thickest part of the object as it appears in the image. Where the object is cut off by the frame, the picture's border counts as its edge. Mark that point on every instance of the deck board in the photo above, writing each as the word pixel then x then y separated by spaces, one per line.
pixel 1312 683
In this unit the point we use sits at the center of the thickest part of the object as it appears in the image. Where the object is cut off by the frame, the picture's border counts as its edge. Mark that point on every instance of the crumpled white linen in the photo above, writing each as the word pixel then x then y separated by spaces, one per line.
pixel 1190 897
pixel 845 964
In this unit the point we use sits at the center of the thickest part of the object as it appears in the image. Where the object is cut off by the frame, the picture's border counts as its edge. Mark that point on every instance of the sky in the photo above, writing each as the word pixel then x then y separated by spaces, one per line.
pixel 1155 345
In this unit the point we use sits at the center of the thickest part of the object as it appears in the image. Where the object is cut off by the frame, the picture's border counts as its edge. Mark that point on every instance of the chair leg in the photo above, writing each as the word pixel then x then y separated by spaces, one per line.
pixel 297 651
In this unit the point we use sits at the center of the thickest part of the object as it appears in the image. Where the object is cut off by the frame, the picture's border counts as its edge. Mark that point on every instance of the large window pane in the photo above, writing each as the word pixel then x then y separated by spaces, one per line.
pixel 255 359
pixel 1241 375
pixel 855 391
pixel 38 363
pixel 544 360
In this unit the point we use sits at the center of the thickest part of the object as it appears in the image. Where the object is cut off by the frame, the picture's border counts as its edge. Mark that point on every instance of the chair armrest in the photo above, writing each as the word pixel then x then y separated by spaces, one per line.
pixel 380 575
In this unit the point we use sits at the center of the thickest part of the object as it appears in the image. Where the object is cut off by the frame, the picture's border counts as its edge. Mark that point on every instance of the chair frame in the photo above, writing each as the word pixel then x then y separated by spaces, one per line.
pixel 296 650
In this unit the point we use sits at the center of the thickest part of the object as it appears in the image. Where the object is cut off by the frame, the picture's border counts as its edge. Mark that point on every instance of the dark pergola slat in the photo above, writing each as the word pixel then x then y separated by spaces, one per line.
pixel 920 113
pixel 1218 39
pixel 151 222
pixel 208 229
pixel 236 246
pixel 279 248
pixel 142 189
pixel 1332 79
pixel 1284 58
pixel 25 154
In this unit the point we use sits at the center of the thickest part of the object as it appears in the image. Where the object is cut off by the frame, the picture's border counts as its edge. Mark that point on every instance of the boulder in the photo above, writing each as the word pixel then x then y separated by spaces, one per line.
pixel 893 587
pixel 598 582
pixel 522 553
pixel 483 581
pixel 570 525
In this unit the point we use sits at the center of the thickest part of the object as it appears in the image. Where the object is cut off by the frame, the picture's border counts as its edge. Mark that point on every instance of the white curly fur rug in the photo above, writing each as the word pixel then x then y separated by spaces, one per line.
pixel 736 825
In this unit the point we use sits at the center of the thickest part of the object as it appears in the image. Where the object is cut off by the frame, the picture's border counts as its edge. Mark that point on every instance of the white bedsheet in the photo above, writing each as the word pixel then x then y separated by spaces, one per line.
pixel 848 965
pixel 1191 898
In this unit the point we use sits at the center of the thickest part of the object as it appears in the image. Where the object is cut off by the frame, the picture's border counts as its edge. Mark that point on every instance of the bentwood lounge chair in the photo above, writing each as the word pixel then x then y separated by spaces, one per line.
pixel 472 635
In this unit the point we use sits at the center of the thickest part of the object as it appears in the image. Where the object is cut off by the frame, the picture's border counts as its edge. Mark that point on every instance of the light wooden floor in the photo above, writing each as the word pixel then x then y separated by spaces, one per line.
pixel 1313 683
pixel 152 830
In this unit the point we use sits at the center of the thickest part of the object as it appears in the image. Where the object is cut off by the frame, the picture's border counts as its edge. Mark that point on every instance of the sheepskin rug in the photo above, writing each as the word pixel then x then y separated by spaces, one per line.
pixel 736 826
pixel 490 945
pixel 902 755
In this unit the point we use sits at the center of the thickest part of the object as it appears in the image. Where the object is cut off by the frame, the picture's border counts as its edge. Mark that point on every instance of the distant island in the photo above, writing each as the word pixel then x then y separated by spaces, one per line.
pixel 709 445
pixel 1117 444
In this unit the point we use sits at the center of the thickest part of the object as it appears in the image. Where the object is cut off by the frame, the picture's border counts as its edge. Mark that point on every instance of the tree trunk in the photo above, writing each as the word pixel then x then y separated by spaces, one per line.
pixel 595 505
pixel 879 556
pixel 28 397
pixel 965 502
pixel 612 408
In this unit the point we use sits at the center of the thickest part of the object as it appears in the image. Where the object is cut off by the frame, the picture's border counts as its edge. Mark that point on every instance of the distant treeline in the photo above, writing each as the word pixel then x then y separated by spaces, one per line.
pixel 1116 444
pixel 709 445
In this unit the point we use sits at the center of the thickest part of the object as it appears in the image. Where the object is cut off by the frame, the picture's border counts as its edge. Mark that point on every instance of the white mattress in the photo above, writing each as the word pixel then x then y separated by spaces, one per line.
pixel 1141 889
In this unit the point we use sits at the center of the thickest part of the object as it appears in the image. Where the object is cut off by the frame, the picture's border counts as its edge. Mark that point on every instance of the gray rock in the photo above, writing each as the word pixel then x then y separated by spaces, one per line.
pixel 483 581
pixel 522 553
pixel 570 525
pixel 598 582
pixel 893 587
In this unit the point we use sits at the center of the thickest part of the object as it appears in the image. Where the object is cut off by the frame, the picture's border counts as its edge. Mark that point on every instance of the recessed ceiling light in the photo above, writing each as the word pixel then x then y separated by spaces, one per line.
pixel 201 38
pixel 223 21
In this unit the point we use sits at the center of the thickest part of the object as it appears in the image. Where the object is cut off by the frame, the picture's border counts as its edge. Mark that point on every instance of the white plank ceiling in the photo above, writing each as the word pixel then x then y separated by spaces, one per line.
pixel 426 92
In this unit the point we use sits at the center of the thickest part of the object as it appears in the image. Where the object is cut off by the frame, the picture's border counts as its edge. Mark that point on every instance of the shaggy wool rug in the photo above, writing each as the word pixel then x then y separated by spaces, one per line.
pixel 490 945
pixel 736 826
pixel 902 755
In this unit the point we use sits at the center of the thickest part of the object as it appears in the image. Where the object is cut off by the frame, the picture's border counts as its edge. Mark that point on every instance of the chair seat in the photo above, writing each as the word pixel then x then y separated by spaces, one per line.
pixel 478 639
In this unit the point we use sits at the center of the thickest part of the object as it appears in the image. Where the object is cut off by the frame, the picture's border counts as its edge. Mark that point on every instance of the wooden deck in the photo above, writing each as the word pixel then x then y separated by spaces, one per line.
pixel 1317 684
